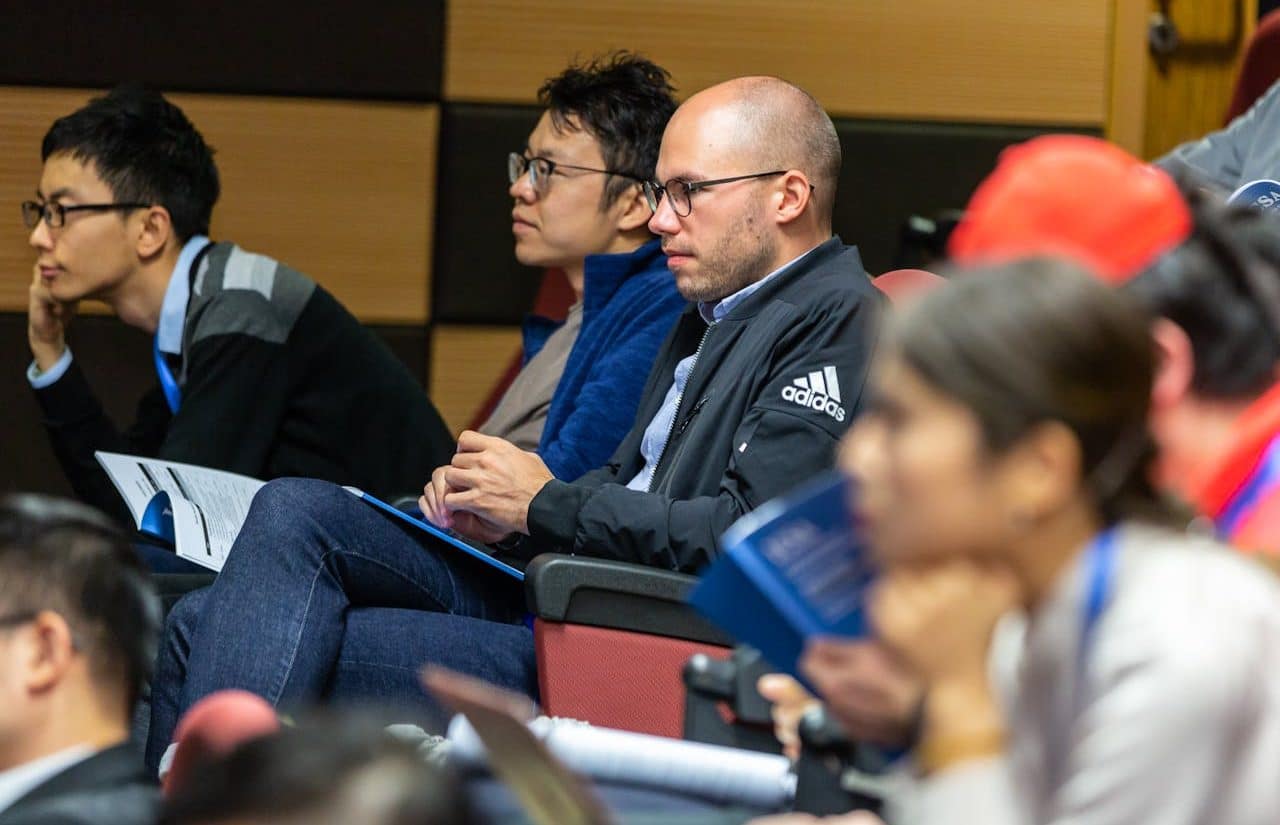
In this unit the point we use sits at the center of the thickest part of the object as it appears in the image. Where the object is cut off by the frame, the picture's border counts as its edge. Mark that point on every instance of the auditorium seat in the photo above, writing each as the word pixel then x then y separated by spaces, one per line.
pixel 612 639
pixel 901 285
pixel 1260 68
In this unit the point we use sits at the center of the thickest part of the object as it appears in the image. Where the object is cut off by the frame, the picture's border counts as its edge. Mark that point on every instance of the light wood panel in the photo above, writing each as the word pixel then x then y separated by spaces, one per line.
pixel 343 191
pixel 995 61
pixel 25 115
pixel 466 361
pixel 1188 93
pixel 1127 78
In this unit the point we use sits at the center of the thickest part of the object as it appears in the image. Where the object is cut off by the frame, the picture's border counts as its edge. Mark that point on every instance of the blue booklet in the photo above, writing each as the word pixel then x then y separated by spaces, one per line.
pixel 792 569
pixel 447 536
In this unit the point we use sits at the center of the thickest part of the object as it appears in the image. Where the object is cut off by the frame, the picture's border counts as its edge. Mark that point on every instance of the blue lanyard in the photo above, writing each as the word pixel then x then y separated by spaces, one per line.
pixel 1264 478
pixel 169 384
pixel 1100 566
pixel 1100 560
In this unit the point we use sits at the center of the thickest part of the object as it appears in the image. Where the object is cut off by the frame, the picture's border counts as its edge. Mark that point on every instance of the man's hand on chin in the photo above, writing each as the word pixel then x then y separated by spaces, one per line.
pixel 494 481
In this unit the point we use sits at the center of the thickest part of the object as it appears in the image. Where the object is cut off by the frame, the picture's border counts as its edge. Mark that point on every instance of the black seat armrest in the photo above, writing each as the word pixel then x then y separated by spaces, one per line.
pixel 617 595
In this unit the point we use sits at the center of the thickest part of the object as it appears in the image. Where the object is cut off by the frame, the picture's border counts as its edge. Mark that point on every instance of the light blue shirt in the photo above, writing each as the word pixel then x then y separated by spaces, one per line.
pixel 173 316
pixel 659 429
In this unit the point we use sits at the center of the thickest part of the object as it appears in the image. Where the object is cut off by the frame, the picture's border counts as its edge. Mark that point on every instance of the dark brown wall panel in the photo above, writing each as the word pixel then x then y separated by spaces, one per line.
pixel 894 170
pixel 382 50
pixel 476 277
pixel 891 170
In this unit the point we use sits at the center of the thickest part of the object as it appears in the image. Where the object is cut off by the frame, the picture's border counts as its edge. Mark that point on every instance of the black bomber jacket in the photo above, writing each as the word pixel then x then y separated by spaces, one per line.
pixel 776 383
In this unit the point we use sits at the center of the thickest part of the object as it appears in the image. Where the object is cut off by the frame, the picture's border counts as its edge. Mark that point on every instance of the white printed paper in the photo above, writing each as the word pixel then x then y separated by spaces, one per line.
pixel 209 506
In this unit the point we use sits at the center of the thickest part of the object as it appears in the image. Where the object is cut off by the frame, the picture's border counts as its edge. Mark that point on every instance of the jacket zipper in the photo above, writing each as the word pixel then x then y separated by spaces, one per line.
pixel 671 431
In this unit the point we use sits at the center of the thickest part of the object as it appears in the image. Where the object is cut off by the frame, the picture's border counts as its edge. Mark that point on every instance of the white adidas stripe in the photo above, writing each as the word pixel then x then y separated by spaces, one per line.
pixel 824 382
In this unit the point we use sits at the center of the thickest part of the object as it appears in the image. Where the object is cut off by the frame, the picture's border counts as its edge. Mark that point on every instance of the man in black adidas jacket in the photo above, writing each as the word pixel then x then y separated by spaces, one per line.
pixel 754 386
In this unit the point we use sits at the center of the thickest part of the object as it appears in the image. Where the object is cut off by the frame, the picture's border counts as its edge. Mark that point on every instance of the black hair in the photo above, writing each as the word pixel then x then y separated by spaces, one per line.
pixel 1042 340
pixel 68 558
pixel 332 772
pixel 624 101
pixel 146 150
pixel 1222 287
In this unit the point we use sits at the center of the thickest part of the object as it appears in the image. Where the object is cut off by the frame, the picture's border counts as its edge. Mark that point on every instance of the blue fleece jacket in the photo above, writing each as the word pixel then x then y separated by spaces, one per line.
pixel 629 304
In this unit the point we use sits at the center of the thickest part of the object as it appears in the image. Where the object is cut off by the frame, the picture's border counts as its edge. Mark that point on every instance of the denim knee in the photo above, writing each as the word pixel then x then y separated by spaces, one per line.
pixel 294 498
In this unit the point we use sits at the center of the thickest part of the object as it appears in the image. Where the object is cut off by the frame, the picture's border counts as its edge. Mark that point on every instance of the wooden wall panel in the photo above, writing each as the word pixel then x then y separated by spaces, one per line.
pixel 1127 78
pixel 995 61
pixel 343 191
pixel 25 115
pixel 466 362
pixel 1187 93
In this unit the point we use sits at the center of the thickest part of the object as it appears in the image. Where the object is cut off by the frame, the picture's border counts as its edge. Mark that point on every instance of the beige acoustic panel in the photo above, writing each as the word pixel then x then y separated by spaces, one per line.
pixel 25 115
pixel 997 60
pixel 1127 80
pixel 1188 92
pixel 343 191
pixel 466 363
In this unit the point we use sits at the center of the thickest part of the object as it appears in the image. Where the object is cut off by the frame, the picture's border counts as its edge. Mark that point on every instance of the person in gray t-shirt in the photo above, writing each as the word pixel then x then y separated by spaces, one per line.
pixel 1245 152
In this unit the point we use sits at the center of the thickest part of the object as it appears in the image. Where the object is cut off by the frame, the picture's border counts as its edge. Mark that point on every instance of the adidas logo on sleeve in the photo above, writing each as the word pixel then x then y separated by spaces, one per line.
pixel 819 390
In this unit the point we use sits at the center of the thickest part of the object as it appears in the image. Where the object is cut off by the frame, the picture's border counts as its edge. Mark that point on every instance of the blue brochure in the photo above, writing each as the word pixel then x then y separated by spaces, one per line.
pixel 447 536
pixel 791 570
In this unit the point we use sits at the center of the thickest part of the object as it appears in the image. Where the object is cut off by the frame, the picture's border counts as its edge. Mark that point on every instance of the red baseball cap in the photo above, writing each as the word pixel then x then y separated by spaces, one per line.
pixel 1075 197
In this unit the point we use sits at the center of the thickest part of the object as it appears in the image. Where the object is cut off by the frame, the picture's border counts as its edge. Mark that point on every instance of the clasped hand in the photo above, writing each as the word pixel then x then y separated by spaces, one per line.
pixel 485 492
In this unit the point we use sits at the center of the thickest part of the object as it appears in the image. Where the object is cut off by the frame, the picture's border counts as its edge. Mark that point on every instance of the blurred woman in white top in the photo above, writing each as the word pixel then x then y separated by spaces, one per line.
pixel 1004 465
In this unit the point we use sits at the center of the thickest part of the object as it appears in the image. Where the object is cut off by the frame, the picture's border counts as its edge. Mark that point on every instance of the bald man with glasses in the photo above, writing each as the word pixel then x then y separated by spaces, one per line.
pixel 757 382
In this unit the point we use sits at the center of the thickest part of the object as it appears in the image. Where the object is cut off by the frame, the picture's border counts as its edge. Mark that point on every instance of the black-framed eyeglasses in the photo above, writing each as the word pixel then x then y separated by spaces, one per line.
pixel 681 191
pixel 55 214
pixel 540 170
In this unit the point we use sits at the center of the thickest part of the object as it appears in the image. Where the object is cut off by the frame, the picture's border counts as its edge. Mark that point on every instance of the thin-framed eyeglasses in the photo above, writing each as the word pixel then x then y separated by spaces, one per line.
pixel 17 618
pixel 541 169
pixel 681 191
pixel 55 214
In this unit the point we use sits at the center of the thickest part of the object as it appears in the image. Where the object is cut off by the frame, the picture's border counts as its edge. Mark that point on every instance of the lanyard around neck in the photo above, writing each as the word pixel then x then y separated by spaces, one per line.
pixel 168 384
pixel 1100 563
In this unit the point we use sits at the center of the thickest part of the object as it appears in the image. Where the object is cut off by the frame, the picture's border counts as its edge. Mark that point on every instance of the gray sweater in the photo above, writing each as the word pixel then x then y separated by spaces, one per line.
pixel 1245 151
pixel 1173 718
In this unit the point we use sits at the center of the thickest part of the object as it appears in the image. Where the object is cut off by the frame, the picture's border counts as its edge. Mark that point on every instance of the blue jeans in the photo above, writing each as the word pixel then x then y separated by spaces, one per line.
pixel 323 596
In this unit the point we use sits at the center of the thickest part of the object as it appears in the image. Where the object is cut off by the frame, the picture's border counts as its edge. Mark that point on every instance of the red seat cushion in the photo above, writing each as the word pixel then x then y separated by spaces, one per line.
pixel 615 678
pixel 1260 67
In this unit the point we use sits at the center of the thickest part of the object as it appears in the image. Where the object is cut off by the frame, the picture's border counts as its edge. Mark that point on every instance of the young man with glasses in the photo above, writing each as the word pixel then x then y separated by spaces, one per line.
pixel 260 370
pixel 578 205
pixel 78 626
